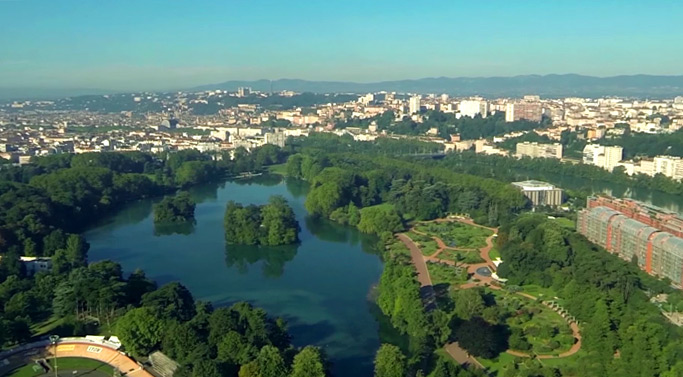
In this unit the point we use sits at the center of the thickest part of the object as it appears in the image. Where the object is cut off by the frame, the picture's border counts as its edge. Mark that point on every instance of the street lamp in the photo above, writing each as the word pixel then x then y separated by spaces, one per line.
pixel 53 340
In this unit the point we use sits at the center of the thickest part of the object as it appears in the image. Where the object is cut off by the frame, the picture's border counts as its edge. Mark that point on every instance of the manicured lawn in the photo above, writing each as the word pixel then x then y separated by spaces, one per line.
pixel 426 244
pixel 494 253
pixel 456 234
pixel 540 292
pixel 471 257
pixel 441 273
pixel 546 331
pixel 278 169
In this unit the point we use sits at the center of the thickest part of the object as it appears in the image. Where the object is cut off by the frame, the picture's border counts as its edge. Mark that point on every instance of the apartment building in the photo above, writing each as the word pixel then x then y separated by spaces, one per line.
pixel 536 150
pixel 474 107
pixel 602 156
pixel 541 193
pixel 638 232
pixel 524 110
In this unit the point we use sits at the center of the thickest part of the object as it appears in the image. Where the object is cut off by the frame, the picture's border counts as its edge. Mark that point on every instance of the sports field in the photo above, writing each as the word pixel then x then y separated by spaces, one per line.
pixel 67 366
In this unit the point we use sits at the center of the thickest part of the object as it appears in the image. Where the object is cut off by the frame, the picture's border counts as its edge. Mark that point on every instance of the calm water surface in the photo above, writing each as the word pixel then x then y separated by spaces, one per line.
pixel 320 286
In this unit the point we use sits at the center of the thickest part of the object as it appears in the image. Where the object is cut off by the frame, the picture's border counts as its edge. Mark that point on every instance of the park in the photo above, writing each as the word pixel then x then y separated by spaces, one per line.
pixel 454 265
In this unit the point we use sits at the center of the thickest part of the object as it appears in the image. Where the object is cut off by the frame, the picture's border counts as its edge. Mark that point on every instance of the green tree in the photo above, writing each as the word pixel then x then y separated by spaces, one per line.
pixel 206 368
pixel 270 362
pixel 140 330
pixel 468 303
pixel 389 362
pixel 309 363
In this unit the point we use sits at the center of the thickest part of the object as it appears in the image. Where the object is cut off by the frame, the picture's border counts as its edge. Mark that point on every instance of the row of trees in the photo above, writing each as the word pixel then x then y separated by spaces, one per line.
pixel 271 224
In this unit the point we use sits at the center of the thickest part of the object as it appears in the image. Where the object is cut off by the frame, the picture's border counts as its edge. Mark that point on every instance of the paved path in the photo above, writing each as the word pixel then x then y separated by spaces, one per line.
pixel 453 349
pixel 426 288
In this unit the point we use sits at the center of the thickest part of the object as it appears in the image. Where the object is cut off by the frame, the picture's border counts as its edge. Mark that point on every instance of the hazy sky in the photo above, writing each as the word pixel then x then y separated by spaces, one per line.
pixel 121 44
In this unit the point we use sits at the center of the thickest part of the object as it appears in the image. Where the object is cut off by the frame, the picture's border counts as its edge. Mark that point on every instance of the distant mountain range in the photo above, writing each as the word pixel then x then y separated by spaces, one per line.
pixel 568 85
pixel 548 86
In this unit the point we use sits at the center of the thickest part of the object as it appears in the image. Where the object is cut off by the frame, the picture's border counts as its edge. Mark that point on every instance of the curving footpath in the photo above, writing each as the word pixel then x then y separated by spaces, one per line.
pixel 453 349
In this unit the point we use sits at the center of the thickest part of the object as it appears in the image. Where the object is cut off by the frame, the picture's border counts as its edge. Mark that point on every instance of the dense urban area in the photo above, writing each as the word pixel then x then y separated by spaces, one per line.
pixel 488 270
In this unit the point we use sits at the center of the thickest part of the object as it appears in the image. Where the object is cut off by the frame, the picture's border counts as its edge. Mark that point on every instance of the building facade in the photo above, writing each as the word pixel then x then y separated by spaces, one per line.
pixel 414 104
pixel 536 150
pixel 524 110
pixel 606 157
pixel 638 232
pixel 541 193
pixel 472 108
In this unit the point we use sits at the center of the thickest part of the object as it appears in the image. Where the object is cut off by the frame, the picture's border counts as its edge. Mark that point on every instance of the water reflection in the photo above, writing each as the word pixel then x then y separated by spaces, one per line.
pixel 297 187
pixel 206 192
pixel 167 229
pixel 263 180
pixel 274 258
pixel 330 231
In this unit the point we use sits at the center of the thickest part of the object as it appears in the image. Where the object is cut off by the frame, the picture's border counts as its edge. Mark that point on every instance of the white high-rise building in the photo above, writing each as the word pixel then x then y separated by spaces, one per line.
pixel 669 166
pixel 536 150
pixel 472 108
pixel 605 157
pixel 414 104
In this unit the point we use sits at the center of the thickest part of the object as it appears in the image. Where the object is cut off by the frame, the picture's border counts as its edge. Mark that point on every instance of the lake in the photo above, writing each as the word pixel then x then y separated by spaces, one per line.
pixel 320 286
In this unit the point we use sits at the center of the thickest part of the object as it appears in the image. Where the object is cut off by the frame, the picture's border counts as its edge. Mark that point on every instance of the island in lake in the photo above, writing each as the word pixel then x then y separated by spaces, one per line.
pixel 271 224
pixel 173 209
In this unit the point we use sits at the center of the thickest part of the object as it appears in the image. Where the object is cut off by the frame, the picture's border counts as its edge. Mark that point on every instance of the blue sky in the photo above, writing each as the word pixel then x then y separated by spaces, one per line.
pixel 122 44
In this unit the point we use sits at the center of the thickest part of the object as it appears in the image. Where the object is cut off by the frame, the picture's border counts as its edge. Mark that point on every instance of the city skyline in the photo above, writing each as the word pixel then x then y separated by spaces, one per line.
pixel 159 45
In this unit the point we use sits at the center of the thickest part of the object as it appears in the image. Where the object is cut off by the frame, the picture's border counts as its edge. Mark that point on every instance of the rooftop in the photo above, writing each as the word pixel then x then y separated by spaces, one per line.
pixel 534 185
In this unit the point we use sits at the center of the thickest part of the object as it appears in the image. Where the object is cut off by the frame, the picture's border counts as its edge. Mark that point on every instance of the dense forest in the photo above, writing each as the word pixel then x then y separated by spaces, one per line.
pixel 386 189
pixel 503 168
pixel 176 208
pixel 647 145
pixel 270 224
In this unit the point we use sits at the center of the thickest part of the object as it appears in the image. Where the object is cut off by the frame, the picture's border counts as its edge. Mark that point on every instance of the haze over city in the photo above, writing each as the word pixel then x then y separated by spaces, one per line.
pixel 161 45
pixel 341 188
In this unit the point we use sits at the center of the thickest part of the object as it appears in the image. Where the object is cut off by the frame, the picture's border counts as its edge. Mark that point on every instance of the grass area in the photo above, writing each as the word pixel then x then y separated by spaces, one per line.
pixel 496 366
pixel 494 253
pixel 565 222
pixel 540 292
pixel 426 244
pixel 46 326
pixel 442 273
pixel 456 234
pixel 471 257
pixel 85 367
pixel 278 169
pixel 545 331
